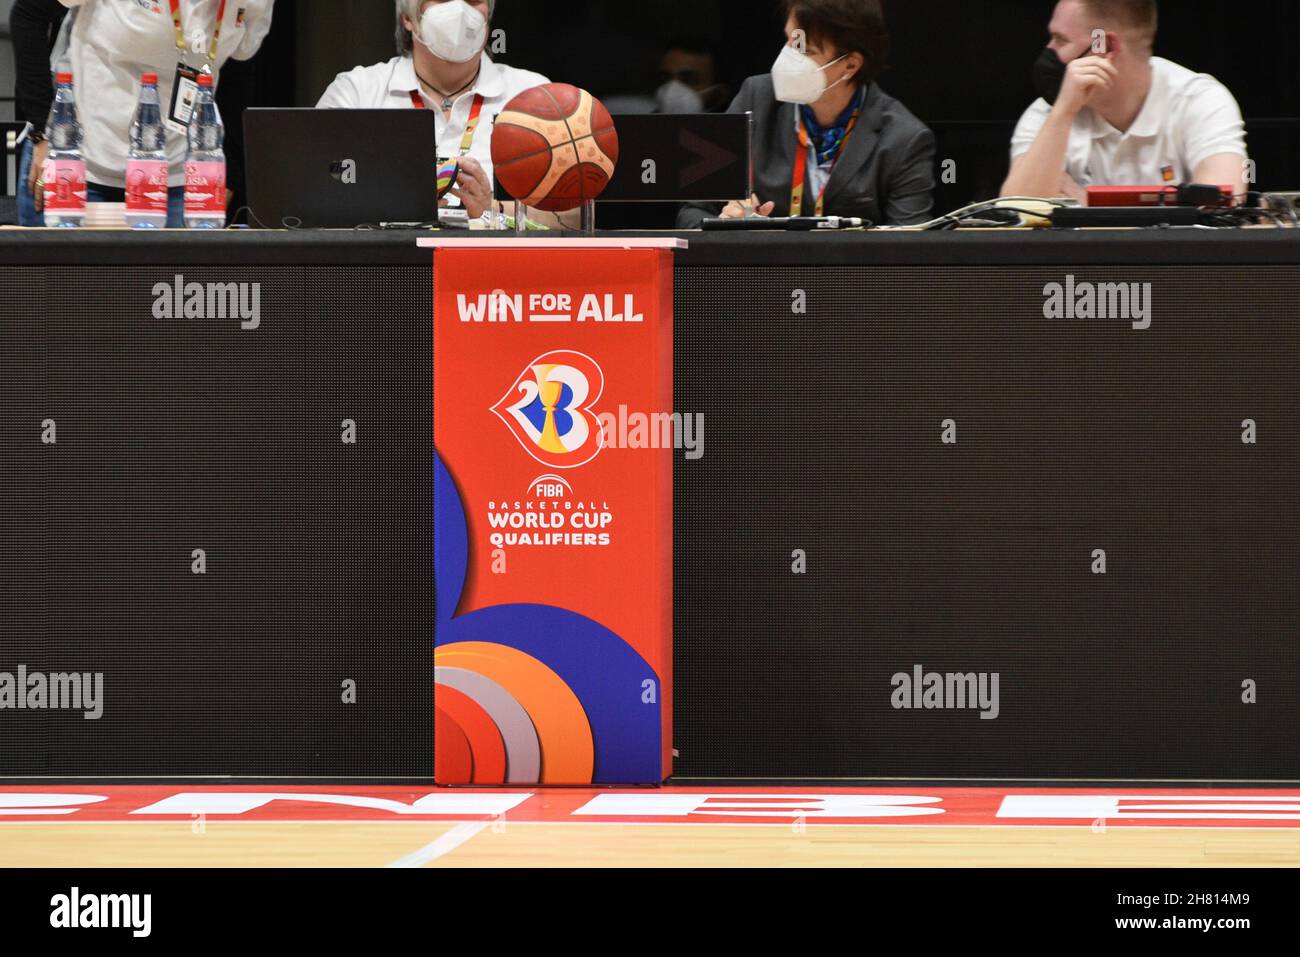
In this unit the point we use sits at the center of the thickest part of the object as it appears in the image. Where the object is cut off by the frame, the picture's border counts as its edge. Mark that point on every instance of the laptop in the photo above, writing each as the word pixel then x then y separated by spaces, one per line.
pixel 339 169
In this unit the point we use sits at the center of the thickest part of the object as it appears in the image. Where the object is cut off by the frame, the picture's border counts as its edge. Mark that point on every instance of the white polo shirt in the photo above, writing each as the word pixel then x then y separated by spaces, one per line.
pixel 389 86
pixel 1187 118
pixel 114 41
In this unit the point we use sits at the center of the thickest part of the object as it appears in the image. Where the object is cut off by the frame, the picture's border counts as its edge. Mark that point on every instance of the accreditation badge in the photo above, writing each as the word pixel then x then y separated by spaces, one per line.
pixel 185 92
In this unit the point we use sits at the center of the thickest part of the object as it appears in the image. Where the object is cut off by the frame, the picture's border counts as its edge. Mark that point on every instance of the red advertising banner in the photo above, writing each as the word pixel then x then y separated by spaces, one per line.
pixel 554 437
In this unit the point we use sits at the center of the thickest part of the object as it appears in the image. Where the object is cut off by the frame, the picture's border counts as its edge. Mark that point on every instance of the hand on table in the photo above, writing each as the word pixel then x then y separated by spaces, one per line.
pixel 748 208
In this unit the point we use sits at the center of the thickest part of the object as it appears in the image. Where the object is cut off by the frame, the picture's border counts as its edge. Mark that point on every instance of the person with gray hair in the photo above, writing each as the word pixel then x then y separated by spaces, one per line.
pixel 408 11
pixel 443 66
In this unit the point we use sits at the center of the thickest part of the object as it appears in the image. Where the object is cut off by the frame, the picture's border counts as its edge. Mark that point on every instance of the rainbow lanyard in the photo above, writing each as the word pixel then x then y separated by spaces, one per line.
pixel 801 166
pixel 471 125
pixel 180 30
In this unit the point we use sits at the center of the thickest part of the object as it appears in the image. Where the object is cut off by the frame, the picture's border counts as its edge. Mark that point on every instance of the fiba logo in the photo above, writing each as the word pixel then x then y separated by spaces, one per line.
pixel 548 409
pixel 550 487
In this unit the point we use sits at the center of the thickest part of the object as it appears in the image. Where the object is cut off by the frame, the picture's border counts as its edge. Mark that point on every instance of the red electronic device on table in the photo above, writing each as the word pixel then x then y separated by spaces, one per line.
pixel 1165 194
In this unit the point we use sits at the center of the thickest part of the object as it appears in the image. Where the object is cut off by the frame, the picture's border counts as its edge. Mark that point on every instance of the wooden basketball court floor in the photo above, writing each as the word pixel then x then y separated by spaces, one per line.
pixel 810 826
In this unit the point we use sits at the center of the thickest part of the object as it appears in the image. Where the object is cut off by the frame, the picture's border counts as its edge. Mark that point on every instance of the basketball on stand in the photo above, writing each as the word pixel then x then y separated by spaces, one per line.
pixel 554 147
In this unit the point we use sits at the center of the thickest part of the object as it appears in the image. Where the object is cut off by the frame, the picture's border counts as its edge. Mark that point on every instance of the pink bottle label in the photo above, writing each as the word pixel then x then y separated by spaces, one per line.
pixel 65 186
pixel 146 186
pixel 205 188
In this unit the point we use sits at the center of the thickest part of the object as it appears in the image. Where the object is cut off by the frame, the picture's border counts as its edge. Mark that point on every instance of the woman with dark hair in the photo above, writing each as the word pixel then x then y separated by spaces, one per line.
pixel 827 139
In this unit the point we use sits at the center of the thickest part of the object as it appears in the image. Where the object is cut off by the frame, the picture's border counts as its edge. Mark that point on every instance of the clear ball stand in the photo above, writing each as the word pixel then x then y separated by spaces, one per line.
pixel 587 213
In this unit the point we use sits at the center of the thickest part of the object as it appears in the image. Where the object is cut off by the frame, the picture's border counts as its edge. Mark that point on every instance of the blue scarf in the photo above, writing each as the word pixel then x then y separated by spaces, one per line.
pixel 829 139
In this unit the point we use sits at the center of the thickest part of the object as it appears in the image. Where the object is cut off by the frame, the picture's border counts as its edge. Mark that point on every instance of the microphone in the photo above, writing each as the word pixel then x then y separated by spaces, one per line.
pixel 794 224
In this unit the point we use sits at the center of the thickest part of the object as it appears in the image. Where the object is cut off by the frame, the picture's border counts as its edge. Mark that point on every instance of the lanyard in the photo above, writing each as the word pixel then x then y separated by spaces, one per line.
pixel 180 30
pixel 801 166
pixel 471 125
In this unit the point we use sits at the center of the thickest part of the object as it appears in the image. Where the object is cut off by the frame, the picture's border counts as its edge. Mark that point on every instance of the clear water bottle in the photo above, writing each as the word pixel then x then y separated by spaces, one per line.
pixel 205 164
pixel 146 165
pixel 65 169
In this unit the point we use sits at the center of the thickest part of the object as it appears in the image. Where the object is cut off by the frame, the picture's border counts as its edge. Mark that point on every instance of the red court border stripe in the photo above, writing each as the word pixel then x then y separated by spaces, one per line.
pixel 970 807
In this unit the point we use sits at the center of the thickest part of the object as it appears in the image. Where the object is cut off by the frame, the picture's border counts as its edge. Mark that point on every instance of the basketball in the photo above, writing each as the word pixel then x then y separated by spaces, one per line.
pixel 554 147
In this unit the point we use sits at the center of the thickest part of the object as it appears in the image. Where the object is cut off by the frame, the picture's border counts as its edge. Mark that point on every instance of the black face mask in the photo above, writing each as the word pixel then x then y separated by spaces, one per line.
pixel 1049 75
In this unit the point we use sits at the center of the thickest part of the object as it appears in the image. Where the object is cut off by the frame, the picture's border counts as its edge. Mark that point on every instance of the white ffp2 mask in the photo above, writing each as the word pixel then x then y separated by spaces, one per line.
pixel 454 31
pixel 676 97
pixel 799 78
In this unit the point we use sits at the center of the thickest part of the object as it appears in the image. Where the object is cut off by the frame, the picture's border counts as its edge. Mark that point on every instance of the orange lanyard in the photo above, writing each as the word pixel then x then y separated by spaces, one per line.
pixel 801 167
pixel 180 30
pixel 471 125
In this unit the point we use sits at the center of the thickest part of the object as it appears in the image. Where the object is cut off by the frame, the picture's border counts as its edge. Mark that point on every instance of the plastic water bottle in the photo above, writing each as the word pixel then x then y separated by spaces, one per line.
pixel 205 164
pixel 65 169
pixel 146 166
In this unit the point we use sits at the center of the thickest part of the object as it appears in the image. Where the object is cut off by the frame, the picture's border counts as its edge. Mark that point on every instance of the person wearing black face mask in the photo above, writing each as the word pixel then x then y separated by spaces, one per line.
pixel 1111 113
pixel 1049 74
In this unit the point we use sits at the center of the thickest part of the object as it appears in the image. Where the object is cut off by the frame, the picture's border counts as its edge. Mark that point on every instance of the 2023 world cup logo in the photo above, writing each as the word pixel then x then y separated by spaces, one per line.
pixel 549 409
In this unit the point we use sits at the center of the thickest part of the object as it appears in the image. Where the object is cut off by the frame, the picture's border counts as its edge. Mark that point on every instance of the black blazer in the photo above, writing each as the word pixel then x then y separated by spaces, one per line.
pixel 886 173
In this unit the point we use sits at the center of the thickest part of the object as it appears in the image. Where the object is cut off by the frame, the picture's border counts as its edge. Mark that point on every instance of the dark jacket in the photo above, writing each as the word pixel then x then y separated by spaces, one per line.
pixel 34 25
pixel 885 174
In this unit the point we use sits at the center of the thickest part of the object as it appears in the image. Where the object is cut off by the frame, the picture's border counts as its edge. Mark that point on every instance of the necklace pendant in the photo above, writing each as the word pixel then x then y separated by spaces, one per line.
pixel 447 105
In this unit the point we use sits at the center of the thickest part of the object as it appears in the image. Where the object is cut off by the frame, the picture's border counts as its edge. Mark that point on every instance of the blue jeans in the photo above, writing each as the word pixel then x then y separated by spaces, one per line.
pixel 111 194
pixel 27 214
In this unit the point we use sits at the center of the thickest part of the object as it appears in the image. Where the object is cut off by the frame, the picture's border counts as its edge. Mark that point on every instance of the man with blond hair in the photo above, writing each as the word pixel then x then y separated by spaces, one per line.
pixel 1111 113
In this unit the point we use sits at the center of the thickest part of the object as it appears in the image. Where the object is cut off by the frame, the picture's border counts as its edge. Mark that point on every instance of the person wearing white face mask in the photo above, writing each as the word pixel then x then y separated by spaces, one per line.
pixel 687 83
pixel 827 140
pixel 443 66
pixel 688 80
